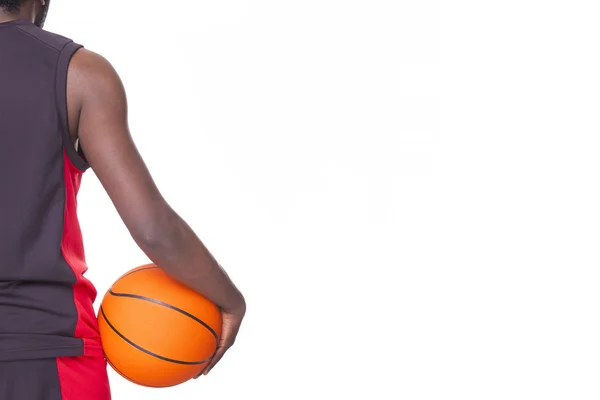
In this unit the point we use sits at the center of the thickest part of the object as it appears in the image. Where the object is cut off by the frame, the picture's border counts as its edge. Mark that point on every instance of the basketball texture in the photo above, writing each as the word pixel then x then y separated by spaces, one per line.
pixel 155 331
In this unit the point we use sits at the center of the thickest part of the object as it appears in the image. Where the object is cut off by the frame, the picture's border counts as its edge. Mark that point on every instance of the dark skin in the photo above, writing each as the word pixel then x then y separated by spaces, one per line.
pixel 34 11
pixel 97 106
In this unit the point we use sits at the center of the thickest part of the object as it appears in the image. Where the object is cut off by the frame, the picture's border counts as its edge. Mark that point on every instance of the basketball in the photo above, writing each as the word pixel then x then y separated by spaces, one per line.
pixel 156 332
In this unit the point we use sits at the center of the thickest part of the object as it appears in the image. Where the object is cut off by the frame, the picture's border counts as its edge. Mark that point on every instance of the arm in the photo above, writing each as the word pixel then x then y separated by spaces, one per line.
pixel 98 104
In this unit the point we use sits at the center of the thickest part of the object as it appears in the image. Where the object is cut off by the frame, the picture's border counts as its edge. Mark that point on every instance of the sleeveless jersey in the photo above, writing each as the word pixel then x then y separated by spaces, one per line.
pixel 46 303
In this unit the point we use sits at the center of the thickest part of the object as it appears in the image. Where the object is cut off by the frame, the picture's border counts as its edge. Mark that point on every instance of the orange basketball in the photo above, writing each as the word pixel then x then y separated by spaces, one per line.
pixel 155 331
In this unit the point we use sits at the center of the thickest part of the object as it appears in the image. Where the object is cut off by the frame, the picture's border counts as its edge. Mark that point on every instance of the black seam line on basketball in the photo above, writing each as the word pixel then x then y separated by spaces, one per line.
pixel 160 303
pixel 139 270
pixel 148 351
pixel 125 376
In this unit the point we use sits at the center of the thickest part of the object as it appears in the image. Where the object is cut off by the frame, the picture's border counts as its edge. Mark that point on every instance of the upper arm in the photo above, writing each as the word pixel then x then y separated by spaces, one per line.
pixel 98 100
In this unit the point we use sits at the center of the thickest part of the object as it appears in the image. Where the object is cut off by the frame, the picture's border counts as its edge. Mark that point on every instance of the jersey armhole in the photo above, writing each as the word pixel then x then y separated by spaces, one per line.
pixel 74 153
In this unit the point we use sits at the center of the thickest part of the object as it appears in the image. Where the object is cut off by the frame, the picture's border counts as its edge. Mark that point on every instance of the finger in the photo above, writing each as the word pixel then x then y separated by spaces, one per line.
pixel 212 361
pixel 218 355
pixel 222 347
pixel 200 374
pixel 227 338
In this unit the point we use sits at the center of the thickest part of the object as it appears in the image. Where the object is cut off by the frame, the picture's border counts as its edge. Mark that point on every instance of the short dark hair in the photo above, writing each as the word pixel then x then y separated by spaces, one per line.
pixel 11 5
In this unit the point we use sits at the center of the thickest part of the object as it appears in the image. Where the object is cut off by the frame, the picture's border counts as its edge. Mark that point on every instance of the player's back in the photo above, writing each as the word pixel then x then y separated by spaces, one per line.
pixel 45 302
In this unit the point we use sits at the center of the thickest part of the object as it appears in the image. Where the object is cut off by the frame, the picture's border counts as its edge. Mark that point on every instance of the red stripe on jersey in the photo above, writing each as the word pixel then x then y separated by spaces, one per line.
pixel 81 377
pixel 84 292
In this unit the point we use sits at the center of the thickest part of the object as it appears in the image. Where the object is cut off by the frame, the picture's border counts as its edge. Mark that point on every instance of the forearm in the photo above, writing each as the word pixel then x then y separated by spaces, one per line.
pixel 177 250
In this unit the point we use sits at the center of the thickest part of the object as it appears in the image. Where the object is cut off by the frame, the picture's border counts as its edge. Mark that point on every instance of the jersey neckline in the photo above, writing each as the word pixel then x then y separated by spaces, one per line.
pixel 20 21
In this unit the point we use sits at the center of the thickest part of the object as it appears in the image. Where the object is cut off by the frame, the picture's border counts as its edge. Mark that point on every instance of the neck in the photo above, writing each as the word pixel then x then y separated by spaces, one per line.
pixel 26 12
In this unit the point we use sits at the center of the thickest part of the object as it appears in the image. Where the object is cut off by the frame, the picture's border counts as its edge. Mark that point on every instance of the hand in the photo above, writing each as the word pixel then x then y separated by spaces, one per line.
pixel 231 326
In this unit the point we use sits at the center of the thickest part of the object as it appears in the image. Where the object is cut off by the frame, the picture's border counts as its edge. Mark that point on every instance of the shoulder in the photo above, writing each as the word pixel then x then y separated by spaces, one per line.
pixel 94 75
pixel 91 65
pixel 45 38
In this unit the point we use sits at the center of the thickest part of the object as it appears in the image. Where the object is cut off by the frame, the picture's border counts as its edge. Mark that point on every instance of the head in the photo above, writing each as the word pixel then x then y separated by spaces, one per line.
pixel 33 10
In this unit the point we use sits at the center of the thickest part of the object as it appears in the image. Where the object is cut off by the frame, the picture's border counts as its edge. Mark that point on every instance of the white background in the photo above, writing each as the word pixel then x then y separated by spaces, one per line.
pixel 405 191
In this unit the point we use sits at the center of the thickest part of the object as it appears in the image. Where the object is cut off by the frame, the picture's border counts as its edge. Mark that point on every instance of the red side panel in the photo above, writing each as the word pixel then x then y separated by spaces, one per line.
pixel 81 377
pixel 72 249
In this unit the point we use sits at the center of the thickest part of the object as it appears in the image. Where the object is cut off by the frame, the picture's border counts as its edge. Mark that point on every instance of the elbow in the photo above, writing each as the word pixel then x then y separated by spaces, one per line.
pixel 150 241
pixel 158 235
